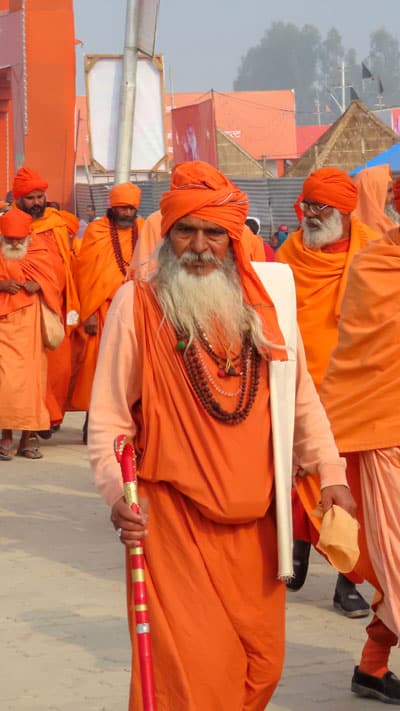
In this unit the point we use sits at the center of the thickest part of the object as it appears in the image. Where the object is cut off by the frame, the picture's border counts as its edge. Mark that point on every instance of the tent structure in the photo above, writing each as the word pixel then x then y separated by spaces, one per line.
pixel 391 156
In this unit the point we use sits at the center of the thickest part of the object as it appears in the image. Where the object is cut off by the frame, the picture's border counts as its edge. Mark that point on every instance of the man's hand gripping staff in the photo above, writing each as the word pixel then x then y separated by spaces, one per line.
pixel 125 454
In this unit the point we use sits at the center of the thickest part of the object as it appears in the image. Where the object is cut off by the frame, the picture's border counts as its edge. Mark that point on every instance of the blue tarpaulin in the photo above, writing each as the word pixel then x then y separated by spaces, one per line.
pixel 390 156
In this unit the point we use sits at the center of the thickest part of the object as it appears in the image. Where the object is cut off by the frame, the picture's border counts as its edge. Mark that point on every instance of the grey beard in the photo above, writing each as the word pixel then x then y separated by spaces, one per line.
pixel 329 231
pixel 392 214
pixel 12 253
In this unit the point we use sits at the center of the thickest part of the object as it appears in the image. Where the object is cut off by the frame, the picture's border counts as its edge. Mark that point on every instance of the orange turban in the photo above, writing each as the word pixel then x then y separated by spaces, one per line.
pixel 15 223
pixel 125 194
pixel 71 221
pixel 25 181
pixel 331 186
pixel 396 190
pixel 199 189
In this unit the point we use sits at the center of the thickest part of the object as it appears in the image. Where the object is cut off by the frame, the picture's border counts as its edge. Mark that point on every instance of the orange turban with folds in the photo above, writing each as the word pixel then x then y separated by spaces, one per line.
pixel 200 190
pixel 25 181
pixel 331 186
pixel 71 221
pixel 125 194
pixel 15 223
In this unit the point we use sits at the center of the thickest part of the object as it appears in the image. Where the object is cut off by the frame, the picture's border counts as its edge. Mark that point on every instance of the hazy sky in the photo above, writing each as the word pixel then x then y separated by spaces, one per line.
pixel 203 41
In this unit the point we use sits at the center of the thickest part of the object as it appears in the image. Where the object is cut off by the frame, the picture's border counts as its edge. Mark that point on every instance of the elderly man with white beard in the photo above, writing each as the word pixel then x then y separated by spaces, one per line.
pixel 28 273
pixel 319 254
pixel 187 369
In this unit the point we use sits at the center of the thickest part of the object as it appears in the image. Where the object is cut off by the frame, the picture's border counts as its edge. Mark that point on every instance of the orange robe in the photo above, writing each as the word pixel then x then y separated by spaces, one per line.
pixel 23 364
pixel 52 228
pixel 150 237
pixel 217 632
pixel 98 276
pixel 320 278
pixel 360 393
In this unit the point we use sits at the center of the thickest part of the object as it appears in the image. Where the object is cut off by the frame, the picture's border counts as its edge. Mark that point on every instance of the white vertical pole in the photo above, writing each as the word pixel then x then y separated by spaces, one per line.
pixel 127 94
pixel 343 84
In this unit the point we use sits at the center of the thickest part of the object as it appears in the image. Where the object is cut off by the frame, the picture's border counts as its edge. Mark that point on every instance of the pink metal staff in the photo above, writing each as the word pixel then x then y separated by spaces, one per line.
pixel 125 454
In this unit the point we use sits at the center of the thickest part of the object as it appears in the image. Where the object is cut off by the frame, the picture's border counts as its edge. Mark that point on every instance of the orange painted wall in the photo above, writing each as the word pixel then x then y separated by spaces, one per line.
pixel 49 142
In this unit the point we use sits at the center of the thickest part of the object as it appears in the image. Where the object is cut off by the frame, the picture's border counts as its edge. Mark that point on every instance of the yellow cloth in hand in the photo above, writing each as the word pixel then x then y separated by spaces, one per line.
pixel 339 538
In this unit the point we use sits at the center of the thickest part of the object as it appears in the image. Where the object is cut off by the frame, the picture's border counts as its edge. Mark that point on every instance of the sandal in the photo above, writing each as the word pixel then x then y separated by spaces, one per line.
pixel 5 453
pixel 30 453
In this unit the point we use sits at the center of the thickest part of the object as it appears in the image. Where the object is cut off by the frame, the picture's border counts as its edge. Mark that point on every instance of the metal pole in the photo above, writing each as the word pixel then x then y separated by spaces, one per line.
pixel 127 95
pixel 343 84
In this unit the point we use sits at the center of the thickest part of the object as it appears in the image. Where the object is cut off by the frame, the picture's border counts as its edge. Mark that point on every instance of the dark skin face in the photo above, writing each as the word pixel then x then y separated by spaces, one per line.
pixel 124 215
pixel 34 203
pixel 190 234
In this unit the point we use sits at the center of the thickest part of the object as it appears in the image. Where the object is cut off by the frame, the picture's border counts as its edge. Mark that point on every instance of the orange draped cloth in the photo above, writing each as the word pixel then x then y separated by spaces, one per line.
pixel 98 276
pixel 362 384
pixel 372 184
pixel 53 229
pixel 320 279
pixel 211 502
pixel 23 365
pixel 361 388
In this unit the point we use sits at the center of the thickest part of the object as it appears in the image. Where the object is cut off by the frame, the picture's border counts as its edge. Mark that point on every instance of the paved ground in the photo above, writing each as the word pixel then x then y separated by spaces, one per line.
pixel 64 643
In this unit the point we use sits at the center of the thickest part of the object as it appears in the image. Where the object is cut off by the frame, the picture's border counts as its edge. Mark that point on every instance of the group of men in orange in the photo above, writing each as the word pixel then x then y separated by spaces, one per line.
pixel 194 349
pixel 171 333
pixel 42 380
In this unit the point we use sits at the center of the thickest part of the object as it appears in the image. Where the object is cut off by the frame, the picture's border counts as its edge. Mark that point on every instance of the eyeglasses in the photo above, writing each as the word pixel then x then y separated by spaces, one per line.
pixel 314 207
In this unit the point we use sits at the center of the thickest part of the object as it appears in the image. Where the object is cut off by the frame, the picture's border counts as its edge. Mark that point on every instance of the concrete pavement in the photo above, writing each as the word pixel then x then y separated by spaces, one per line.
pixel 64 642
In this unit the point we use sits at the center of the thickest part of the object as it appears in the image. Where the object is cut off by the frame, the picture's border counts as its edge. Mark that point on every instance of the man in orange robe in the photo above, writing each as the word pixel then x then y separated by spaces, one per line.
pixel 375 206
pixel 320 254
pixel 27 275
pixel 183 370
pixel 101 267
pixel 361 393
pixel 29 191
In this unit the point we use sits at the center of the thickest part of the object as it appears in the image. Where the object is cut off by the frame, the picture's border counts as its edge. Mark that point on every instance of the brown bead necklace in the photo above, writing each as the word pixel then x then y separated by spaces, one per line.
pixel 122 264
pixel 249 372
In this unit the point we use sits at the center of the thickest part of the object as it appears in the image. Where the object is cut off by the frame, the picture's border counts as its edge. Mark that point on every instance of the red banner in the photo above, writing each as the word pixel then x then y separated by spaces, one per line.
pixel 193 132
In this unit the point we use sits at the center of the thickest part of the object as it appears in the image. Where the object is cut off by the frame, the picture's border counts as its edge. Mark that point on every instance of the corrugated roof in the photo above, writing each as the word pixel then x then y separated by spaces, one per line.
pixel 307 135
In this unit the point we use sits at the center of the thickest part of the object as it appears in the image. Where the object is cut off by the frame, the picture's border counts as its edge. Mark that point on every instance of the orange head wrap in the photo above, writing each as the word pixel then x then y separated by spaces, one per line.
pixel 331 186
pixel 25 181
pixel 15 223
pixel 200 190
pixel 70 220
pixel 125 194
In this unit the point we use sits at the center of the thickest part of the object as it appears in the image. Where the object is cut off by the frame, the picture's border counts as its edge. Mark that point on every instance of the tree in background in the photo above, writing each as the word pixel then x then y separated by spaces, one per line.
pixel 289 57
pixel 285 58
pixel 384 63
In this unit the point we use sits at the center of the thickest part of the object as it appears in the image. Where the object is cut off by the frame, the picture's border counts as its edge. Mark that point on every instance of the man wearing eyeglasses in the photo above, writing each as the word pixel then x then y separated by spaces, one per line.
pixel 320 253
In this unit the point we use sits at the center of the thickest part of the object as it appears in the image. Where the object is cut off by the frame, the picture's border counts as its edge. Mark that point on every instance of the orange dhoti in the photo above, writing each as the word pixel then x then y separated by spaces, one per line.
pixel 233 643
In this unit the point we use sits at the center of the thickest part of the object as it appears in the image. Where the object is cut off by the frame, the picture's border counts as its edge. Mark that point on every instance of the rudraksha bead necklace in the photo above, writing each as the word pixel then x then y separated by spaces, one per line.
pixel 122 264
pixel 249 373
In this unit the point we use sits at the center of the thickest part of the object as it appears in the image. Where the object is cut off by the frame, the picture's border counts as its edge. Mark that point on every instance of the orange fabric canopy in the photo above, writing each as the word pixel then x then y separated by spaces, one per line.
pixel 331 186
pixel 361 389
pixel 125 194
pixel 16 223
pixel 199 189
pixel 25 181
pixel 372 184
pixel 320 279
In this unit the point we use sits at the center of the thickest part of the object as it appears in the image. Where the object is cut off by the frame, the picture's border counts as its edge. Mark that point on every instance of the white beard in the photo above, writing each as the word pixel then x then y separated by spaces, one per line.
pixel 391 212
pixel 12 252
pixel 210 303
pixel 324 232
